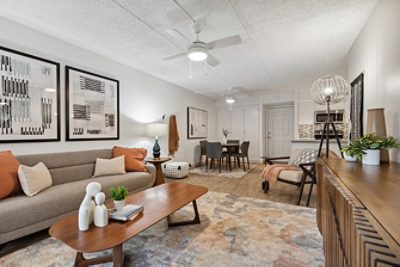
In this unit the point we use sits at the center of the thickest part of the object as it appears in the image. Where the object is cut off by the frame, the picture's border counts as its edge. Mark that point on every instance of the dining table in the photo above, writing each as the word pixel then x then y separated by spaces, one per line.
pixel 229 150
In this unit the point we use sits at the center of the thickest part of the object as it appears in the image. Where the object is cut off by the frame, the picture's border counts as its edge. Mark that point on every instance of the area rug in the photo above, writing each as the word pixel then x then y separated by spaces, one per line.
pixel 235 231
pixel 236 173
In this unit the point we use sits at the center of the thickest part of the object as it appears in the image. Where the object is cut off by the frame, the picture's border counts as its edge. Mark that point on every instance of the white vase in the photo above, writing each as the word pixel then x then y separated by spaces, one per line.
pixel 119 204
pixel 349 158
pixel 371 157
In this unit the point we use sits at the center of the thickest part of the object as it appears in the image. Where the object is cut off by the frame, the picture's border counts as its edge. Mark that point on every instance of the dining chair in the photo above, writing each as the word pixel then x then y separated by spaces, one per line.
pixel 233 150
pixel 243 153
pixel 203 151
pixel 214 152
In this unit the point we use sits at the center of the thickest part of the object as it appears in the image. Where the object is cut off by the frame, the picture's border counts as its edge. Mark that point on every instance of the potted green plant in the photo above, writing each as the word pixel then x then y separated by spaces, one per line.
pixel 371 146
pixel 353 151
pixel 119 194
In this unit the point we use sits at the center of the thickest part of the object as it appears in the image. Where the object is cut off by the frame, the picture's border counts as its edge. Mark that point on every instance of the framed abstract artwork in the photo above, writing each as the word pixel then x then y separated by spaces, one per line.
pixel 356 107
pixel 197 123
pixel 29 98
pixel 92 106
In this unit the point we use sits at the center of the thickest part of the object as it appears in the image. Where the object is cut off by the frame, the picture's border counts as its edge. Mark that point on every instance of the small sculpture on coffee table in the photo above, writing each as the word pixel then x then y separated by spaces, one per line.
pixel 86 210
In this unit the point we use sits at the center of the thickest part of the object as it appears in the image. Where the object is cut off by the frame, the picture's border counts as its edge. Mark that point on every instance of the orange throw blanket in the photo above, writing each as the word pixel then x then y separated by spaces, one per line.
pixel 173 136
pixel 271 172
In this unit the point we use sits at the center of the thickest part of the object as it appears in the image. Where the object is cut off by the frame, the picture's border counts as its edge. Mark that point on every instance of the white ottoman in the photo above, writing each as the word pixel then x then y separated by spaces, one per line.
pixel 176 169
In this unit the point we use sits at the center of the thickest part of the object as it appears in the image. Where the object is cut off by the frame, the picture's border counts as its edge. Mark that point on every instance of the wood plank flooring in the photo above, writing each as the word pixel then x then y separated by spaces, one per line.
pixel 250 186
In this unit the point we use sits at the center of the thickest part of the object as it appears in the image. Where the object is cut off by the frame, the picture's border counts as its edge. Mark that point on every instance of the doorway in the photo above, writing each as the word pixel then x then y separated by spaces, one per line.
pixel 279 130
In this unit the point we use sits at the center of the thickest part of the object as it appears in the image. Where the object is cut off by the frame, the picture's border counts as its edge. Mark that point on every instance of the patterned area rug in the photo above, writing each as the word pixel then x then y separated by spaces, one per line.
pixel 236 173
pixel 235 231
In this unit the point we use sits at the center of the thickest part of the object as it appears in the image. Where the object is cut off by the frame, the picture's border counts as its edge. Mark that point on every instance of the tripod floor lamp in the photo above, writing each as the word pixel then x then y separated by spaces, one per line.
pixel 329 90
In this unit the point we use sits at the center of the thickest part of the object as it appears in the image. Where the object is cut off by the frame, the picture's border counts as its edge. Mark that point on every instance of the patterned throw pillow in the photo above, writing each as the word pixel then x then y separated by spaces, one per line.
pixel 308 155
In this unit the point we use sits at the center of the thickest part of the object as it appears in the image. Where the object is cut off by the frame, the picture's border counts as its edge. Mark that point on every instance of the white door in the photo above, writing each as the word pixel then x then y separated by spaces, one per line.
pixel 279 132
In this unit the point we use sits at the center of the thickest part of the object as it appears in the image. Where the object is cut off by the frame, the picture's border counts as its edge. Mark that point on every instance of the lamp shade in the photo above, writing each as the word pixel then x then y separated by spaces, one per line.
pixel 332 87
pixel 157 129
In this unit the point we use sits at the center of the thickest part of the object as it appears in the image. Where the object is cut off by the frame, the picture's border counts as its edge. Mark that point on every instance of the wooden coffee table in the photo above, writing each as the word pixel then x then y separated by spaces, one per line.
pixel 159 202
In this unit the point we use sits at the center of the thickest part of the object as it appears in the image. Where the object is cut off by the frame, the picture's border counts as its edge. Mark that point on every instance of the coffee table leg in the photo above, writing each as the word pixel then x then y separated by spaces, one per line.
pixel 117 258
pixel 196 219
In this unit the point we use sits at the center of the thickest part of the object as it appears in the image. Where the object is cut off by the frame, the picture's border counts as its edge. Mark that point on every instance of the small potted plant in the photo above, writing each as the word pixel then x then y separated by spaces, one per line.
pixel 371 146
pixel 119 194
pixel 353 151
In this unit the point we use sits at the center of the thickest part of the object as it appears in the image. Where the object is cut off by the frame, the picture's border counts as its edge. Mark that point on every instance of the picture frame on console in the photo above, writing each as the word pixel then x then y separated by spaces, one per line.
pixel 357 107
pixel 29 98
pixel 197 123
pixel 92 106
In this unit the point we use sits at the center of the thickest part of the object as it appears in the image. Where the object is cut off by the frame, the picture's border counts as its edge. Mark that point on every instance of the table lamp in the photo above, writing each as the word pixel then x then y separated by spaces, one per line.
pixel 330 89
pixel 156 130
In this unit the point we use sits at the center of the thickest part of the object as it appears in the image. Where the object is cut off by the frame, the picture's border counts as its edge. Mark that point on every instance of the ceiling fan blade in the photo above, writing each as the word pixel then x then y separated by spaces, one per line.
pixel 174 56
pixel 212 61
pixel 178 35
pixel 224 42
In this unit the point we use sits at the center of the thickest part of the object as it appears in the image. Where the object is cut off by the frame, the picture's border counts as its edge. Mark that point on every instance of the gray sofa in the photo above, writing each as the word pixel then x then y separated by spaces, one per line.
pixel 71 171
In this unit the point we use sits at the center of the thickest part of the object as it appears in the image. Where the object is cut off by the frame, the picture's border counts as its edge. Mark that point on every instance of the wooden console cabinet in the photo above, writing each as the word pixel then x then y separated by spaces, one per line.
pixel 358 213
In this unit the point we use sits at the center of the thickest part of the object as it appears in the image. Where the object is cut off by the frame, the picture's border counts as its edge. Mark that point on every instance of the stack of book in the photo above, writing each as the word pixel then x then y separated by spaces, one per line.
pixel 127 213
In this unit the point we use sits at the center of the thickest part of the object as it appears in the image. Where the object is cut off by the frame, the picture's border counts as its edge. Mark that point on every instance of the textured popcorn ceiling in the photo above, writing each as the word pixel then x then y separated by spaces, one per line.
pixel 286 43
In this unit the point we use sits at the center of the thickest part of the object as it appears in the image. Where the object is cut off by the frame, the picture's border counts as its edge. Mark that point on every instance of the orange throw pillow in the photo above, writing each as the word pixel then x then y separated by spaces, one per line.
pixel 9 182
pixel 134 158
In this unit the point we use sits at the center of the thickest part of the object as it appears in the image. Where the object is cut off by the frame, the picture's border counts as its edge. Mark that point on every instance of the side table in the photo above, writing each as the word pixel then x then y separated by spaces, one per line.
pixel 159 174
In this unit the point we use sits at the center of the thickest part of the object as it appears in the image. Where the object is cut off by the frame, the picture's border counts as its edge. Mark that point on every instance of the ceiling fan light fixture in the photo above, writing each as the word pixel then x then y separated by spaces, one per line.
pixel 198 52
pixel 230 100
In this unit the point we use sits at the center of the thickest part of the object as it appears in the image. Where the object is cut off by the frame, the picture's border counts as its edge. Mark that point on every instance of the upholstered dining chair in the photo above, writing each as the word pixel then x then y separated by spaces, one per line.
pixel 300 171
pixel 243 154
pixel 233 150
pixel 214 152
pixel 203 151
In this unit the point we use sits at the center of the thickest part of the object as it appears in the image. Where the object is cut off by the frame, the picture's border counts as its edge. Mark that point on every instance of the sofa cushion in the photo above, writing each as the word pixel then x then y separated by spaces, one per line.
pixel 291 176
pixel 9 183
pixel 34 179
pixel 132 180
pixel 21 211
pixel 68 167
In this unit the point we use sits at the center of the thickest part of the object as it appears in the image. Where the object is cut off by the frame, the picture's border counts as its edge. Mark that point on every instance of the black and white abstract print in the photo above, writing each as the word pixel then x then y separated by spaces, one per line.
pixel 92 106
pixel 29 98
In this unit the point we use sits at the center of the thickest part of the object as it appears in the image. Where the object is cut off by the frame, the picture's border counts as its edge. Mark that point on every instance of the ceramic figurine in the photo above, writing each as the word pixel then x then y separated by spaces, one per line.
pixel 85 215
pixel 100 211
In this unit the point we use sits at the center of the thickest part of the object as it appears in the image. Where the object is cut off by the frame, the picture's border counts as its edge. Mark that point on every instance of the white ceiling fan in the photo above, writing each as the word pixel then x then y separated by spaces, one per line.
pixel 198 50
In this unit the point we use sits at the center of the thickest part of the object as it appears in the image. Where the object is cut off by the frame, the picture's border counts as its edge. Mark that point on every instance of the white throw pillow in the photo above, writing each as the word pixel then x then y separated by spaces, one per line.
pixel 109 166
pixel 34 179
